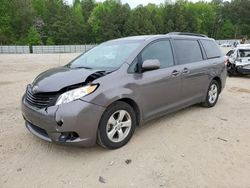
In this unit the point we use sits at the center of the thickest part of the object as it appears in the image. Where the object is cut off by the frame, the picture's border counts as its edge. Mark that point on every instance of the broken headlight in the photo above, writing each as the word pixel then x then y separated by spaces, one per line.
pixel 75 94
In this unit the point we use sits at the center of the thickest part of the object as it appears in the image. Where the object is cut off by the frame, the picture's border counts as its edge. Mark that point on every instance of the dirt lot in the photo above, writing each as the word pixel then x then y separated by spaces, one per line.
pixel 195 147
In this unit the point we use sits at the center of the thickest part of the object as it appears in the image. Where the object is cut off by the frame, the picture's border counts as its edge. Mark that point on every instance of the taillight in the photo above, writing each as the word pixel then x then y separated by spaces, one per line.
pixel 226 61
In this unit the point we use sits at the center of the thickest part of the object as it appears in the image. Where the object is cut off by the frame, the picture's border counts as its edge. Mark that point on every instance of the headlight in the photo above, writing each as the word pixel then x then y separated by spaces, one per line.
pixel 75 94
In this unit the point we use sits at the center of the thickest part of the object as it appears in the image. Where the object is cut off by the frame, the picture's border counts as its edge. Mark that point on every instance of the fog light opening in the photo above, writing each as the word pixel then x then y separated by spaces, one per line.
pixel 68 136
pixel 73 136
pixel 63 137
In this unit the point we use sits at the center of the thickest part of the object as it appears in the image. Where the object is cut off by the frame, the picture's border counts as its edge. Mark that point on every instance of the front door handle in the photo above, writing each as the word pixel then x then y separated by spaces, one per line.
pixel 175 73
pixel 185 71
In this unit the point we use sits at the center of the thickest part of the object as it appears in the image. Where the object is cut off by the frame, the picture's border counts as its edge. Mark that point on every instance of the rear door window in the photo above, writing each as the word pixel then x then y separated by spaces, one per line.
pixel 187 51
pixel 211 48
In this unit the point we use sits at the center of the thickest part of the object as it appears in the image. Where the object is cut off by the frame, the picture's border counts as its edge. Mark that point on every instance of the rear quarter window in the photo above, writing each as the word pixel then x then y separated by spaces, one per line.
pixel 211 48
pixel 187 51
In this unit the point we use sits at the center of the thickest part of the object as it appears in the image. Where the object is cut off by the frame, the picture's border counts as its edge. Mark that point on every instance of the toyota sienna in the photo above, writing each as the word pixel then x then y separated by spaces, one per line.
pixel 102 95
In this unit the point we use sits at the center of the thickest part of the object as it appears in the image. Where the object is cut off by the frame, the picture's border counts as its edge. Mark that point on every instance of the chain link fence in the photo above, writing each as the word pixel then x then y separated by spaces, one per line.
pixel 45 49
pixel 14 50
pixel 61 49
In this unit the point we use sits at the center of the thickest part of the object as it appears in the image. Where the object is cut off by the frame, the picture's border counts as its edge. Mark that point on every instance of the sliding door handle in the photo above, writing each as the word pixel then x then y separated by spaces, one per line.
pixel 185 71
pixel 175 73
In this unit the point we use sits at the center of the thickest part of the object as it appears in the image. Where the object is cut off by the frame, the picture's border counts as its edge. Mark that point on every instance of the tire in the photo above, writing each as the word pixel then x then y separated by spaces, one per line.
pixel 212 94
pixel 119 120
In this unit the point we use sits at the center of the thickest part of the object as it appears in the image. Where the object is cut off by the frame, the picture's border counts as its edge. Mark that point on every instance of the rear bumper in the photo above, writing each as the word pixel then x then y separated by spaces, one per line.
pixel 78 117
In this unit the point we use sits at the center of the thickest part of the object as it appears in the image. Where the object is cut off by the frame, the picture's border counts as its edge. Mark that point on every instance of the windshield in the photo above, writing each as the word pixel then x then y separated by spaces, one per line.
pixel 107 56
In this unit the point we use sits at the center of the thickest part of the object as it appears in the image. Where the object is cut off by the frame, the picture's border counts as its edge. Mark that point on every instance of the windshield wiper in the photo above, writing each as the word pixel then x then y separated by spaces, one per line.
pixel 81 67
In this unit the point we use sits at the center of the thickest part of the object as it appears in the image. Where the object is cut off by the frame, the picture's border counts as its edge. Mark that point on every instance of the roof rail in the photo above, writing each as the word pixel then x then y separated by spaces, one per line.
pixel 186 33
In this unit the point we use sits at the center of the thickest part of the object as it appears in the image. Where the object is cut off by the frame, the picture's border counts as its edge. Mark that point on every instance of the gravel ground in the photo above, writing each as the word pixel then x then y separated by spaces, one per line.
pixel 194 147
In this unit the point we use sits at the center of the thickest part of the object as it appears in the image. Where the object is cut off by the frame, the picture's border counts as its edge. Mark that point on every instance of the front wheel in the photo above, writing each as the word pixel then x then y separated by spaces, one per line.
pixel 212 94
pixel 117 125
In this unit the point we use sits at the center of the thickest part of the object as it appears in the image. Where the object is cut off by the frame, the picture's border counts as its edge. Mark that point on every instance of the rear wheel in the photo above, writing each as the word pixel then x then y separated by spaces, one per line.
pixel 117 125
pixel 212 94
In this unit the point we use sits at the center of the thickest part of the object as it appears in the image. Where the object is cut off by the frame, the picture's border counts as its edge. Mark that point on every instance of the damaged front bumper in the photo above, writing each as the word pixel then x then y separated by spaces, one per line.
pixel 238 68
pixel 243 69
pixel 74 123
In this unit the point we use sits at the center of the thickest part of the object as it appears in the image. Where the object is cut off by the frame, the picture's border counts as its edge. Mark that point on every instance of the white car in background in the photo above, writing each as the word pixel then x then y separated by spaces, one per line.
pixel 226 45
pixel 238 60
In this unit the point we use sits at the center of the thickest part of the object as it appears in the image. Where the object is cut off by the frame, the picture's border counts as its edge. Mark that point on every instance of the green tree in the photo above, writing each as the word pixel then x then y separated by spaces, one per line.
pixel 33 37
pixel 6 34
pixel 227 30
pixel 87 7
pixel 89 22
pixel 139 22
pixel 107 20
pixel 40 8
pixel 204 13
pixel 237 11
pixel 156 18
pixel 80 26
pixel 21 15
pixel 67 25
pixel 50 41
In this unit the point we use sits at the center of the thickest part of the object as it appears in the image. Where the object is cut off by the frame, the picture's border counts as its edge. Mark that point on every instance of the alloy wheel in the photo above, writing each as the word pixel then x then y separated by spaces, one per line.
pixel 212 93
pixel 118 126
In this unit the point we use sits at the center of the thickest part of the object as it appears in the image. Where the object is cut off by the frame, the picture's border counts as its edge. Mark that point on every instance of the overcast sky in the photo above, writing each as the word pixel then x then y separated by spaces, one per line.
pixel 134 3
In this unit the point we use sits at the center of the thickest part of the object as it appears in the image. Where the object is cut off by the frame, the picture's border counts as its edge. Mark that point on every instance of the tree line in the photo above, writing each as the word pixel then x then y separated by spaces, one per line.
pixel 86 21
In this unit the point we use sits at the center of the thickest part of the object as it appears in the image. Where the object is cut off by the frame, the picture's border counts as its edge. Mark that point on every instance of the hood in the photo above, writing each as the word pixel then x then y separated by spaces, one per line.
pixel 55 79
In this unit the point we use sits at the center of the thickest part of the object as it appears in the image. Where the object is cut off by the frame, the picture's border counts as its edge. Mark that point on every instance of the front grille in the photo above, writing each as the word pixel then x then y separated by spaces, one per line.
pixel 40 100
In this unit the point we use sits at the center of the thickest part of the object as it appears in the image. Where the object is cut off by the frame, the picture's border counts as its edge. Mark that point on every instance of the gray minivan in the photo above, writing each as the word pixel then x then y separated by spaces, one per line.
pixel 102 95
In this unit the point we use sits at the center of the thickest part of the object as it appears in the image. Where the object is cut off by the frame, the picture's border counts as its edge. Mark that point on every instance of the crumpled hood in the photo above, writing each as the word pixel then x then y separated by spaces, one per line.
pixel 55 79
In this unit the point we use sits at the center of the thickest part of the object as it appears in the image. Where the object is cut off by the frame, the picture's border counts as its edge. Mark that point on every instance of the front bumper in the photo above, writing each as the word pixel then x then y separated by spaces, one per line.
pixel 78 117
pixel 243 70
pixel 239 68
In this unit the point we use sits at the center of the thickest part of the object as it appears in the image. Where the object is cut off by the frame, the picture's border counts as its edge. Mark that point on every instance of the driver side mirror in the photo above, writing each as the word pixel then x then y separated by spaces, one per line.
pixel 151 64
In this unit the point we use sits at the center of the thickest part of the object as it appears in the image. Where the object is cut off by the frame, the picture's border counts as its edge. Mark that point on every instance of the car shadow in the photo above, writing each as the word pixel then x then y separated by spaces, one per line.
pixel 172 115
pixel 84 152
